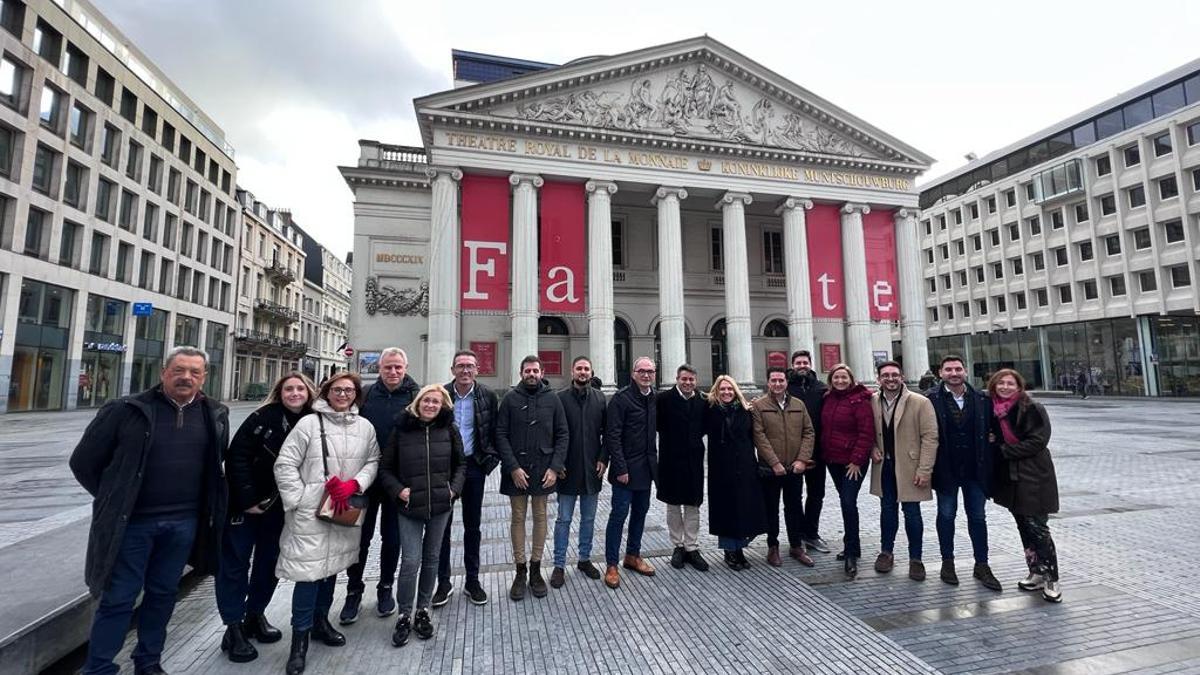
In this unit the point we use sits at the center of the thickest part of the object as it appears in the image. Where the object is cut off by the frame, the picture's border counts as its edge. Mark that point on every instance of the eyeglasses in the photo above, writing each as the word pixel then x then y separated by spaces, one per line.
pixel 342 391
pixel 465 366
pixel 645 371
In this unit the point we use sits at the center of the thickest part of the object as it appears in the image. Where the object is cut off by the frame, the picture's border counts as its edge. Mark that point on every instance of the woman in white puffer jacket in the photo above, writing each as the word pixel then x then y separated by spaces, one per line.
pixel 312 552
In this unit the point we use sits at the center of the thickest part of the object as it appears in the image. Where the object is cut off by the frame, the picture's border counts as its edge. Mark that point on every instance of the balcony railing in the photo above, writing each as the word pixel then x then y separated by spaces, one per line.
pixel 272 308
pixel 279 273
pixel 266 340
pixel 332 321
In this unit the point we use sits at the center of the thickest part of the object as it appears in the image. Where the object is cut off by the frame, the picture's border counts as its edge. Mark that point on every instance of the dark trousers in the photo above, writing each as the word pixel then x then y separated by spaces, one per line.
pixel 622 500
pixel 420 541
pixel 848 492
pixel 311 599
pixel 150 562
pixel 246 534
pixel 974 502
pixel 889 514
pixel 791 487
pixel 389 533
pixel 472 510
pixel 1040 554
pixel 814 480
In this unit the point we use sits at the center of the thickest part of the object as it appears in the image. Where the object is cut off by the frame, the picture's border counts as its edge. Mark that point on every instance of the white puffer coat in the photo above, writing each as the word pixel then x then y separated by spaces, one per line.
pixel 311 549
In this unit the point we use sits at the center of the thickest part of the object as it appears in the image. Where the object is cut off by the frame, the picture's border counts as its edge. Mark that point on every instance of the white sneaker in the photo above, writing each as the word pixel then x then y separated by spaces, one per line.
pixel 1051 592
pixel 1033 582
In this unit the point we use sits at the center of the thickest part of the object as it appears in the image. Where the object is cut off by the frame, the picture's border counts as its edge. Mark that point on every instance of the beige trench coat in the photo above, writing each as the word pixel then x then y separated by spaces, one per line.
pixel 916 433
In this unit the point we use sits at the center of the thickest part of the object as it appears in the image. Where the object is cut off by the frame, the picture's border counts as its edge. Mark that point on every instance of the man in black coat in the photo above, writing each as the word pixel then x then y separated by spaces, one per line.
pixel 804 384
pixel 964 461
pixel 152 463
pixel 629 442
pixel 532 440
pixel 381 406
pixel 680 422
pixel 475 414
pixel 581 482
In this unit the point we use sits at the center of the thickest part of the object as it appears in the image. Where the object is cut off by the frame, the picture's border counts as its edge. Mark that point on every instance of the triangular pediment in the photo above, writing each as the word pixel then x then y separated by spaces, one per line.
pixel 694 91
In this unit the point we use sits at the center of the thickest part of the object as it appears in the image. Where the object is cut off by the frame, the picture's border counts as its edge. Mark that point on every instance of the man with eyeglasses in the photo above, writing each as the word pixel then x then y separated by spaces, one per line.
pixel 906 440
pixel 390 394
pixel 630 444
pixel 475 414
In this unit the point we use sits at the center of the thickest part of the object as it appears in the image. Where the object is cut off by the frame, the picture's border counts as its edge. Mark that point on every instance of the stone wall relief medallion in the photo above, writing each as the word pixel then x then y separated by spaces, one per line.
pixel 384 299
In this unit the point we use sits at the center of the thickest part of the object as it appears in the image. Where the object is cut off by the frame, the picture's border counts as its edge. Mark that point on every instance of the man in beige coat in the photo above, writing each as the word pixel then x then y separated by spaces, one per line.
pixel 783 437
pixel 906 441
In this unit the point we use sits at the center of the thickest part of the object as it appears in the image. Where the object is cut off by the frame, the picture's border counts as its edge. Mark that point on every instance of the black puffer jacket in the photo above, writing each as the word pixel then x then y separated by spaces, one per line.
pixel 250 459
pixel 485 403
pixel 426 458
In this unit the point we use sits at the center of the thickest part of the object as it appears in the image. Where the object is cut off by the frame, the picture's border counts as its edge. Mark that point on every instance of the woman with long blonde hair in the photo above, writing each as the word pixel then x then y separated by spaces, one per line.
pixel 736 513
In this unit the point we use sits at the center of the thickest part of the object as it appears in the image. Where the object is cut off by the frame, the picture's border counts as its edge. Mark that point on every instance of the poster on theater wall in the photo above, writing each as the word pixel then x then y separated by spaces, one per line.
pixel 484 260
pixel 551 361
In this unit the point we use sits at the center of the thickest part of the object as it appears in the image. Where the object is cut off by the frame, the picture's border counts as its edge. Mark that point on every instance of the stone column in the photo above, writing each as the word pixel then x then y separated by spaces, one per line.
pixel 795 264
pixel 737 288
pixel 443 271
pixel 524 307
pixel 601 343
pixel 914 339
pixel 858 307
pixel 670 282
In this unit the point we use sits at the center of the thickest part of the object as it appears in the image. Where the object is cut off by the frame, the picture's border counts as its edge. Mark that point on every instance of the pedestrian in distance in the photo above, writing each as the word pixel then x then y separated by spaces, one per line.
pixel 629 440
pixel 906 439
pixel 330 452
pixel 735 501
pixel 928 380
pixel 423 469
pixel 531 438
pixel 152 463
pixel 1025 481
pixel 784 439
pixel 583 476
pixel 847 437
pixel 804 384
pixel 256 517
pixel 680 483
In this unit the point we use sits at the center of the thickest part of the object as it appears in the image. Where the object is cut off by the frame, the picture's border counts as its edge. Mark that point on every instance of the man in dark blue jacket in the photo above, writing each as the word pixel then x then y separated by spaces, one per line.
pixel 390 394
pixel 152 463
pixel 629 441
pixel 964 461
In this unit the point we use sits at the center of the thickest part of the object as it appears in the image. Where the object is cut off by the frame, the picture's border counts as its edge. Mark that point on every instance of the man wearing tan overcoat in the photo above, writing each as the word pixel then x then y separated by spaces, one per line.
pixel 906 441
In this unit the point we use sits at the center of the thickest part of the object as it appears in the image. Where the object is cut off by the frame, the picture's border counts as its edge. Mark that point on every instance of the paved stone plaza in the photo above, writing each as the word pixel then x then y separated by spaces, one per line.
pixel 1127 538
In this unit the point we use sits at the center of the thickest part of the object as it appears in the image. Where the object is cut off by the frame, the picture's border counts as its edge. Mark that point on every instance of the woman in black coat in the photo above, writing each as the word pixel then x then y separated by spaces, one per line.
pixel 1024 480
pixel 735 504
pixel 256 517
pixel 423 468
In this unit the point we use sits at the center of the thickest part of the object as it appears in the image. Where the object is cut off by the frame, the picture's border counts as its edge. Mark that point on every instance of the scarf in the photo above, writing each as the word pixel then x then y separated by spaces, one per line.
pixel 1000 408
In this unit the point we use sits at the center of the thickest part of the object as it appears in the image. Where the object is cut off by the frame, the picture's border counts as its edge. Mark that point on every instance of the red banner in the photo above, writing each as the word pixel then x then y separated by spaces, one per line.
pixel 551 362
pixel 563 248
pixel 831 355
pixel 485 357
pixel 485 244
pixel 883 285
pixel 824 226
pixel 777 359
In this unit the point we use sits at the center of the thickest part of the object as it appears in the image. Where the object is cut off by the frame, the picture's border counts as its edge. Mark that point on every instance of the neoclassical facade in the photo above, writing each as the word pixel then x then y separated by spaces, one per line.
pixel 679 201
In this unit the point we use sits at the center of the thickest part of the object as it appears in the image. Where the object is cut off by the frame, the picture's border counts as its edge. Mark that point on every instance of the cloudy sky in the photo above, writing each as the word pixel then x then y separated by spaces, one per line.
pixel 296 83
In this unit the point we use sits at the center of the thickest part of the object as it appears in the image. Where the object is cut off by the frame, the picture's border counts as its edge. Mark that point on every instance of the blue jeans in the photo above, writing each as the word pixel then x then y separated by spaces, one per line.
pixel 848 492
pixel 311 599
pixel 889 514
pixel 247 533
pixel 622 499
pixel 733 543
pixel 150 561
pixel 562 526
pixel 420 547
pixel 974 501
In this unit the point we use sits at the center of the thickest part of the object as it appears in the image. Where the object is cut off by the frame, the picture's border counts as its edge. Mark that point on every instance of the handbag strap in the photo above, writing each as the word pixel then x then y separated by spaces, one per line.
pixel 324 446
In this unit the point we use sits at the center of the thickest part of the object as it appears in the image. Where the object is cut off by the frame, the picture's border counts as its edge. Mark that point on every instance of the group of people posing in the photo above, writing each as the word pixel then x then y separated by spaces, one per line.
pixel 299 490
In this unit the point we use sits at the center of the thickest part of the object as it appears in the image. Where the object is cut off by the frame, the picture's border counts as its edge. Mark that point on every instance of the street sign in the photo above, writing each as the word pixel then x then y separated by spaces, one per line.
pixel 349 351
pixel 143 308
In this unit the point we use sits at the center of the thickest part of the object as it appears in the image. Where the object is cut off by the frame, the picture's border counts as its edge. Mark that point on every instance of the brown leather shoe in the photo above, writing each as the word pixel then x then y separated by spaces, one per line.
pixel 916 570
pixel 557 578
pixel 639 565
pixel 884 563
pixel 802 556
pixel 773 557
pixel 612 578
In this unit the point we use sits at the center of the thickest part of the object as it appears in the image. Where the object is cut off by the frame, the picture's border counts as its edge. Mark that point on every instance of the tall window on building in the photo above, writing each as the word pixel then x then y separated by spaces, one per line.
pixel 773 252
pixel 716 249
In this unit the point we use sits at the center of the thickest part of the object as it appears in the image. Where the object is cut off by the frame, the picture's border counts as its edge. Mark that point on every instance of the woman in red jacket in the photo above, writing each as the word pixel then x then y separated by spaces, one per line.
pixel 847 436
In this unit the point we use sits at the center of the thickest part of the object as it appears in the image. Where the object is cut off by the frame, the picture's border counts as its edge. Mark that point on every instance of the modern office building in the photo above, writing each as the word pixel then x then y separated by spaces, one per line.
pixel 1071 254
pixel 118 218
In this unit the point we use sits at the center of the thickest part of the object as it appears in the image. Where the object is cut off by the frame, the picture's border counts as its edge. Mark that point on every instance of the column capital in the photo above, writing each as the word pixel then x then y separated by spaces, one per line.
pixel 599 185
pixel 904 213
pixel 518 178
pixel 664 192
pixel 455 173
pixel 731 197
pixel 793 203
pixel 850 207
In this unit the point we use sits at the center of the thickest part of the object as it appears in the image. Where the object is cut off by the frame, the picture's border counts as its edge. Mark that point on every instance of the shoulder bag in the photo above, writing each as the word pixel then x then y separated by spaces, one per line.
pixel 352 516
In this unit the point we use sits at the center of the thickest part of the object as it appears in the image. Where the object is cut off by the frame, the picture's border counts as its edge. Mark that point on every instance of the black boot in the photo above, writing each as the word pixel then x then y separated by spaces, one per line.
pixel 731 560
pixel 517 592
pixel 851 565
pixel 234 641
pixel 298 657
pixel 257 627
pixel 324 631
pixel 537 585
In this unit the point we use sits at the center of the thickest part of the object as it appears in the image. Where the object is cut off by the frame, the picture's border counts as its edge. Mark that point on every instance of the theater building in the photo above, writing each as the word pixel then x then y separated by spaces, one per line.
pixel 679 201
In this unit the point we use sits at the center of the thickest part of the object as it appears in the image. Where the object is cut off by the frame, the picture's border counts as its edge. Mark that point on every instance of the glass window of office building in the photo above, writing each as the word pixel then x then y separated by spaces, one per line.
pixel 187 331
pixel 1177 342
pixel 1103 357
pixel 214 344
pixel 103 350
pixel 1017 349
pixel 148 348
pixel 39 367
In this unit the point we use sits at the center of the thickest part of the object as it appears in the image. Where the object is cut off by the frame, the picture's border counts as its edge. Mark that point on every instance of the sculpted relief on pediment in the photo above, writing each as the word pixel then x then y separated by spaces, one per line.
pixel 691 102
